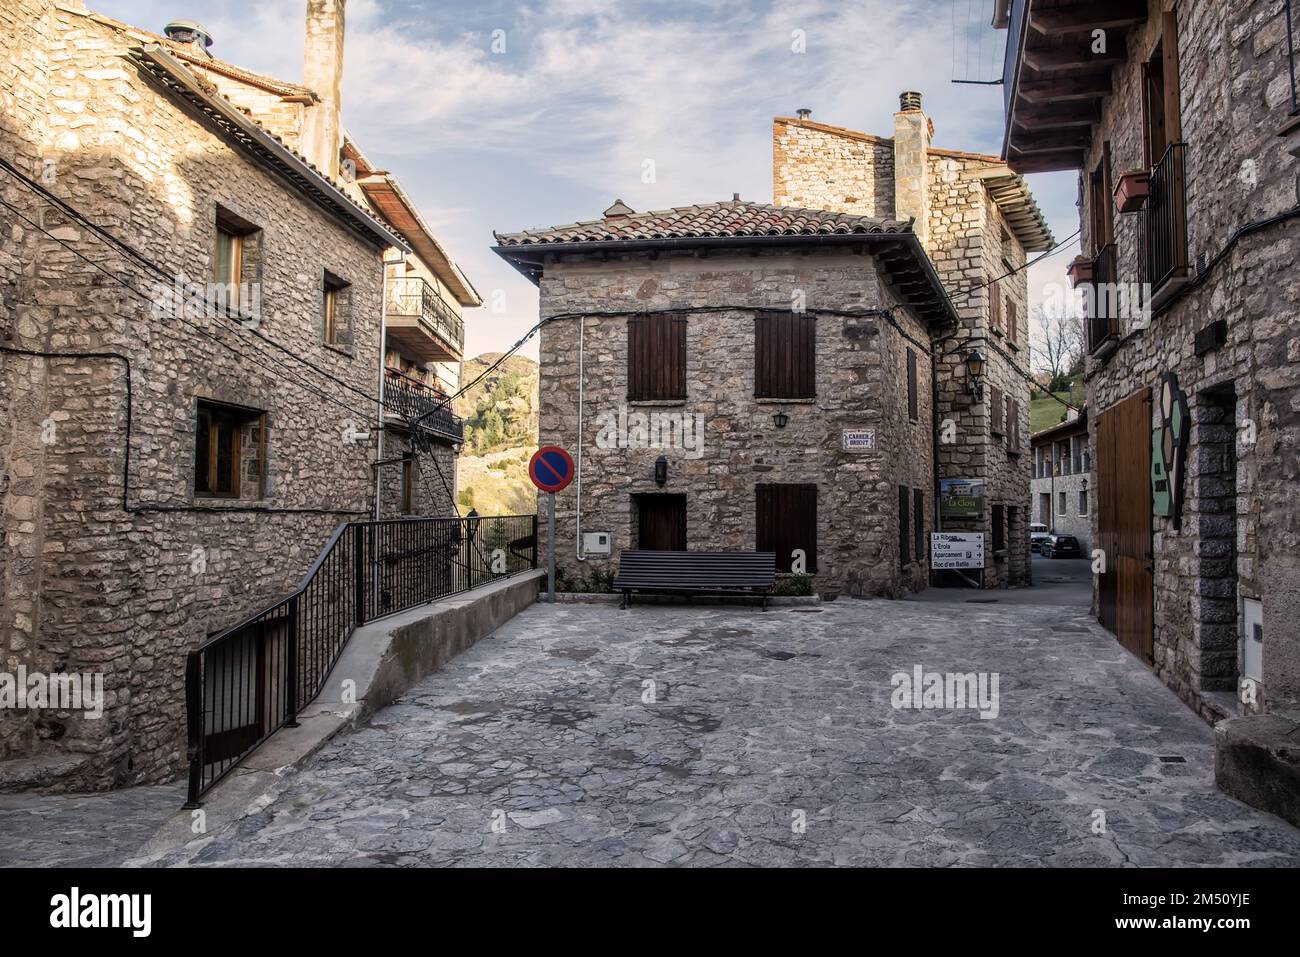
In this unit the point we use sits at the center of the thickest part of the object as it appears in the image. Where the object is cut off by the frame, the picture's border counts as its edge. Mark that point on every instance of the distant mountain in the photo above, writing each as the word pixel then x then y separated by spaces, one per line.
pixel 500 414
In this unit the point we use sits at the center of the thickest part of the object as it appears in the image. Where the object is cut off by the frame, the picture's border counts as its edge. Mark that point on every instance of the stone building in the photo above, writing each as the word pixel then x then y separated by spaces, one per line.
pixel 196 299
pixel 1062 486
pixel 1183 131
pixel 741 376
pixel 976 220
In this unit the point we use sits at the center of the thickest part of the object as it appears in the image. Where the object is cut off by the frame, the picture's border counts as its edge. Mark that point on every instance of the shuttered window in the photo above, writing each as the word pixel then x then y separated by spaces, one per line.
pixel 786 520
pixel 918 522
pixel 1013 426
pixel 911 385
pixel 785 356
pixel 1012 322
pixel 904 528
pixel 656 357
pixel 995 410
pixel 995 307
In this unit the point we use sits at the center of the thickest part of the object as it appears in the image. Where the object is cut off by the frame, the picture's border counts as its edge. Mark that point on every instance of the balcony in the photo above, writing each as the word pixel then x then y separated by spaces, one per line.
pixel 1164 226
pixel 1101 310
pixel 420 322
pixel 409 399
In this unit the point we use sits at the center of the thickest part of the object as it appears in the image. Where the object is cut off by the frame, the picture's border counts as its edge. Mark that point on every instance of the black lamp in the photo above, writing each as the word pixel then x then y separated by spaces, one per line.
pixel 975 373
pixel 661 470
pixel 780 419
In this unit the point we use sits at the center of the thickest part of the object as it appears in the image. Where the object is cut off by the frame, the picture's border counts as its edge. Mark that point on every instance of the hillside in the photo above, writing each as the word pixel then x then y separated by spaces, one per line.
pixel 1045 412
pixel 500 416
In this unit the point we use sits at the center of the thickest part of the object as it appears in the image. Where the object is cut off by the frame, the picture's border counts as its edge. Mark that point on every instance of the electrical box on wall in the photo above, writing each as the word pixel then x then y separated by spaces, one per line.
pixel 597 543
pixel 1252 638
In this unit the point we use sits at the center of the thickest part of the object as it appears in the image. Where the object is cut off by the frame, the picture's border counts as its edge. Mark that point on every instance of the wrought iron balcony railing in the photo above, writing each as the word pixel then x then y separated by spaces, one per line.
pixel 409 400
pixel 412 296
pixel 1102 308
pixel 1164 229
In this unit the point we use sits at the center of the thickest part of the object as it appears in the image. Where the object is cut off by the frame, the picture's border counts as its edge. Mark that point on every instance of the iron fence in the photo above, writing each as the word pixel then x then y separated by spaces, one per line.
pixel 1103 308
pixel 250 680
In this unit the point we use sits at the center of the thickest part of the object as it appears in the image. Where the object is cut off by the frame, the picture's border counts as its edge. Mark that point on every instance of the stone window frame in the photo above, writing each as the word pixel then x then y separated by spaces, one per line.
pixel 252 245
pixel 249 427
pixel 344 338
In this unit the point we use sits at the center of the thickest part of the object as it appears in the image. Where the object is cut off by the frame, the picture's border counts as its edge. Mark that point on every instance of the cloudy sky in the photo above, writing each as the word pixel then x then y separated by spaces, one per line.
pixel 508 114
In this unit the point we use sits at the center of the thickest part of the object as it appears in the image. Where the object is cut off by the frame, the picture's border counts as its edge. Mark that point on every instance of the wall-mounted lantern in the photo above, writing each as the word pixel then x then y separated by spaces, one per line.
pixel 975 373
pixel 780 419
pixel 661 470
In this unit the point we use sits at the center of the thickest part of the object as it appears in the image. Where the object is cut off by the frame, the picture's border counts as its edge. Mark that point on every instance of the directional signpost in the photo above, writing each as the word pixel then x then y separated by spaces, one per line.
pixel 551 470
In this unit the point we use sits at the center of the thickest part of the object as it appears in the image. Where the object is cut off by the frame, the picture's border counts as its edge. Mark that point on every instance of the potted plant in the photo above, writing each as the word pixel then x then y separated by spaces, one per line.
pixel 1131 190
pixel 1080 271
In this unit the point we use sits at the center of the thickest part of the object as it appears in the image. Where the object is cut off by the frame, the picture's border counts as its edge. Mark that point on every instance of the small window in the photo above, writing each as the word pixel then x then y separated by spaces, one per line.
pixel 785 356
pixel 999 528
pixel 1062 503
pixel 656 357
pixel 1083 501
pixel 229 451
pixel 996 413
pixel 785 521
pixel 236 263
pixel 912 412
pixel 904 529
pixel 408 486
pixel 1013 426
pixel 336 311
pixel 1013 323
pixel 918 523
pixel 995 308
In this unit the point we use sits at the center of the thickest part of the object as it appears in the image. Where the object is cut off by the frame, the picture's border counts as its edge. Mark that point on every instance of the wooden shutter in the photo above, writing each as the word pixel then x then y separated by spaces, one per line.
pixel 912 412
pixel 1013 425
pixel 995 307
pixel 785 355
pixel 1169 51
pixel 1012 329
pixel 656 357
pixel 918 522
pixel 785 518
pixel 995 410
pixel 904 528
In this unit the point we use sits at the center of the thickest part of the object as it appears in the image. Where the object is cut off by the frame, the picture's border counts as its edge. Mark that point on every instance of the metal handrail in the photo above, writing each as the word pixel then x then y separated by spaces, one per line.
pixel 252 679
pixel 1165 219
pixel 1102 313
pixel 413 296
pixel 410 399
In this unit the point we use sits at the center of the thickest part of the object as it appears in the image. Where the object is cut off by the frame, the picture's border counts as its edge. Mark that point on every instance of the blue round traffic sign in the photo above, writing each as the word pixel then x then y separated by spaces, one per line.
pixel 551 468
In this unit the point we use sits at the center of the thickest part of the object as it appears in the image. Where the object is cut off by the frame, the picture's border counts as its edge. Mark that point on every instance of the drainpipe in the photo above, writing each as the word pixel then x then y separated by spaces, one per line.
pixel 383 358
pixel 582 328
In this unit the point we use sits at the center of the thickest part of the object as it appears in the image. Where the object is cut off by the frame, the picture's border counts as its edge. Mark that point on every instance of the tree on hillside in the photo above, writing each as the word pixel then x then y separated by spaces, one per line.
pixel 1056 346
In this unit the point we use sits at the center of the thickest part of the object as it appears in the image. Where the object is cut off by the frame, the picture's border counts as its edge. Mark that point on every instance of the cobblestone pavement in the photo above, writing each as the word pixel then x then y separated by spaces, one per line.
pixel 536 748
pixel 82 830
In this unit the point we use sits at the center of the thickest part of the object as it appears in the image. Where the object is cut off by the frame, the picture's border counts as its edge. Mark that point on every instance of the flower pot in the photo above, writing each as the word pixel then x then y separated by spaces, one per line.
pixel 1080 271
pixel 1131 190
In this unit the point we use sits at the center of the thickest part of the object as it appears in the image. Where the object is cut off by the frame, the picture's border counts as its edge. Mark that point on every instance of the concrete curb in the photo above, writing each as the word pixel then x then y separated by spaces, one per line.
pixel 380 662
pixel 606 598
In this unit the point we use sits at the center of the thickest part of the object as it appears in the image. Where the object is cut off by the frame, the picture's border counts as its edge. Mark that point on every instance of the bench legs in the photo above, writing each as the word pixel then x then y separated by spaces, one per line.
pixel 626 597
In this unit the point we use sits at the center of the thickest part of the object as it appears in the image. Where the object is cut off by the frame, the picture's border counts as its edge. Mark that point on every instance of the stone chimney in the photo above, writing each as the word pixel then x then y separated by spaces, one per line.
pixel 323 74
pixel 912 133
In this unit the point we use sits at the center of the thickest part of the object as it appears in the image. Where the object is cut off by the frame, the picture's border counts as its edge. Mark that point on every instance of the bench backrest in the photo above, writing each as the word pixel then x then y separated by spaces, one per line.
pixel 696 569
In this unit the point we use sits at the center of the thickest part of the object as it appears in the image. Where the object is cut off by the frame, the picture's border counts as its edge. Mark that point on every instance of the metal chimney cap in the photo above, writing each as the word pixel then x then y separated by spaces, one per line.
pixel 188 31
pixel 909 100
pixel 804 113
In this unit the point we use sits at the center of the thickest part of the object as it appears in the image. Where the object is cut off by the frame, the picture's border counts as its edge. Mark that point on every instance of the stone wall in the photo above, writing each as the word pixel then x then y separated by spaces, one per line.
pixel 861 384
pixel 90 586
pixel 1239 537
pixel 828 167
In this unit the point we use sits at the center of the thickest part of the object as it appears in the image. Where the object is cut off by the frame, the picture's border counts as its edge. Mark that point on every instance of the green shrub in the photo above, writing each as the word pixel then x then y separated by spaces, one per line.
pixel 793 585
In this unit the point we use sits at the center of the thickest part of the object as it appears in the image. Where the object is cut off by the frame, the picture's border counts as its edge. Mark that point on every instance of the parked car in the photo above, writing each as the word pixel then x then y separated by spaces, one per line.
pixel 1060 546
pixel 1037 532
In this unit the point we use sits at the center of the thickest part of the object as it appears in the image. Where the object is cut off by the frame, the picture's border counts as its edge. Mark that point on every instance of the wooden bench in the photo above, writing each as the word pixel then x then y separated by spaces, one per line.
pixel 696 573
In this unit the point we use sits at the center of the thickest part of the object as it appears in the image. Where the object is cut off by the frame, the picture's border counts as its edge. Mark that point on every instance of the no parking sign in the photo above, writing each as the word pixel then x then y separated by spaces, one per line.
pixel 551 468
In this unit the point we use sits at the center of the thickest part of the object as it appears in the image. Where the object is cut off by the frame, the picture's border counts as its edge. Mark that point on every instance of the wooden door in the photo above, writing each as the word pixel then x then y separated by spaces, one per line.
pixel 1124 522
pixel 661 523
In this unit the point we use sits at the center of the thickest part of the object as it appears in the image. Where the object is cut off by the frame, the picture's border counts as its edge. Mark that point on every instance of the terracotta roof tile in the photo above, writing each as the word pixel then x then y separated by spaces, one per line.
pixel 710 220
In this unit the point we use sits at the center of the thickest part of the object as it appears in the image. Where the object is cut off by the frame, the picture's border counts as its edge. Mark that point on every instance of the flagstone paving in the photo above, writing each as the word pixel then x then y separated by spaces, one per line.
pixel 717 736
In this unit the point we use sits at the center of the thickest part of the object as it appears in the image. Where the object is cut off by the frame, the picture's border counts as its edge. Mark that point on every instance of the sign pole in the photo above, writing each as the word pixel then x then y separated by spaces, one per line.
pixel 550 547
